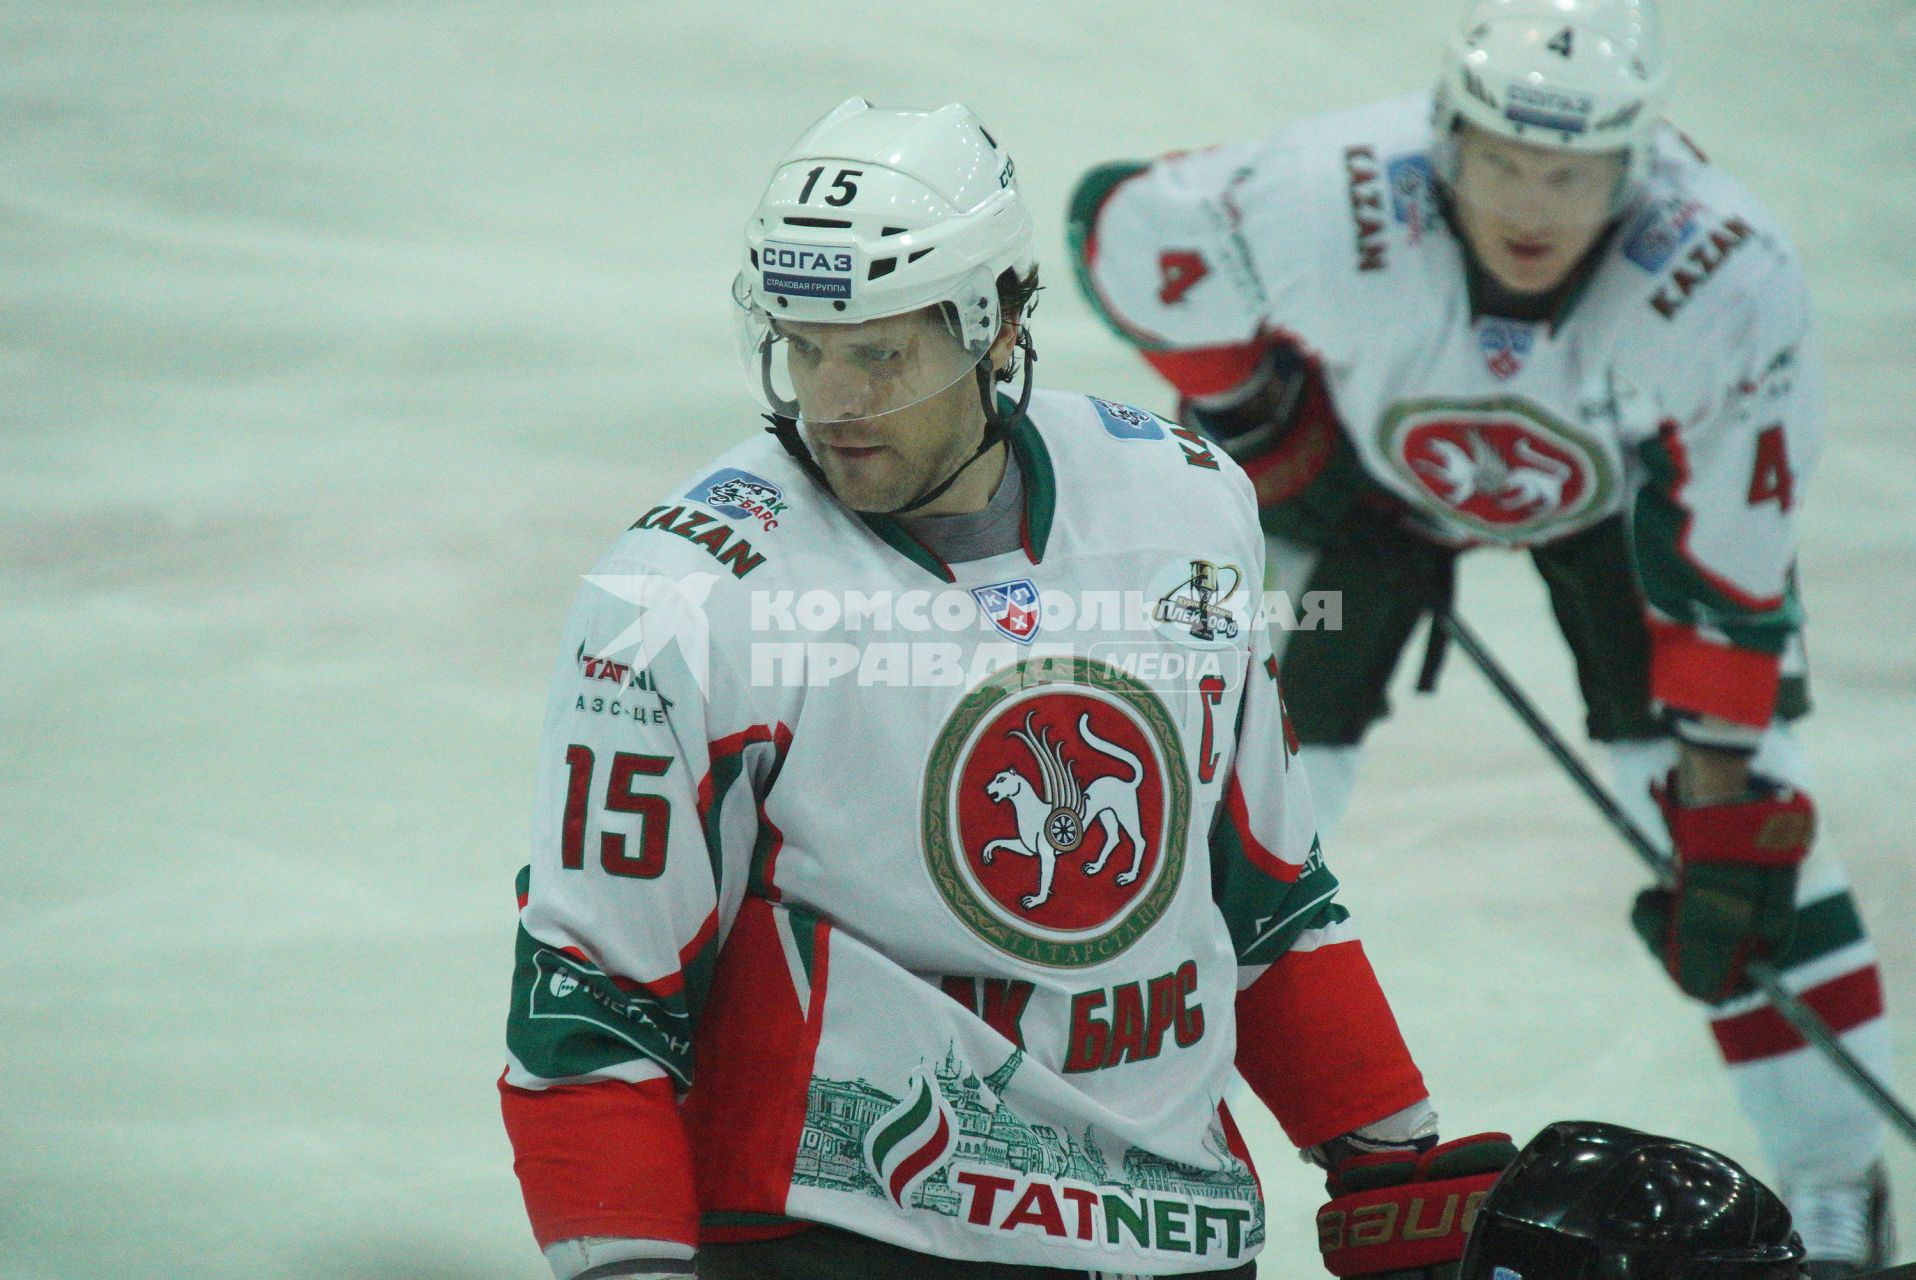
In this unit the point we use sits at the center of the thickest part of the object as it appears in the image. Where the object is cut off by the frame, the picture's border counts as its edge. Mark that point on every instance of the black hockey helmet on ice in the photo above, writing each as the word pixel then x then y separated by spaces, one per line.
pixel 1592 1201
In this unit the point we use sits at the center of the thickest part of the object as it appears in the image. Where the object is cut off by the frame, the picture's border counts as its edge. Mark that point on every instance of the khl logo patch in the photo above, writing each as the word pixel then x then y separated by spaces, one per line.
pixel 1012 607
pixel 1506 344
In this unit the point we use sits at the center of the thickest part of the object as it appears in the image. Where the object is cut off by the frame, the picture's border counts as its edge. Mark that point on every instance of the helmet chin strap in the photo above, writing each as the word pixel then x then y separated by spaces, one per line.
pixel 784 428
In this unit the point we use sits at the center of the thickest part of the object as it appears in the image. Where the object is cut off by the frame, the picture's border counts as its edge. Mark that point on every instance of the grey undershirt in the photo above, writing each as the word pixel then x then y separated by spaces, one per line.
pixel 992 530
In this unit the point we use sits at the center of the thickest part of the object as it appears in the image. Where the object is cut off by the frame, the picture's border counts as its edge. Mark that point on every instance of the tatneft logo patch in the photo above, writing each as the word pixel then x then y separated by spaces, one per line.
pixel 806 270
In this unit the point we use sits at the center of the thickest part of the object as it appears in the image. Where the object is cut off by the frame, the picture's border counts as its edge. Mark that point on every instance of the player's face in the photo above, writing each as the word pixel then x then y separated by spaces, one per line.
pixel 890 407
pixel 1531 212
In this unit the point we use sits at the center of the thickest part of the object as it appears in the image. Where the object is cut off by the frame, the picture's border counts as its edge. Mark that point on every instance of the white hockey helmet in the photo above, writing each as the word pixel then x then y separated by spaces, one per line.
pixel 1581 75
pixel 875 214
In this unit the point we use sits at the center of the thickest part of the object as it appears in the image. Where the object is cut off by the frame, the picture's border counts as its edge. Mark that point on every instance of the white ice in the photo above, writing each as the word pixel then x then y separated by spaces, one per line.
pixel 336 340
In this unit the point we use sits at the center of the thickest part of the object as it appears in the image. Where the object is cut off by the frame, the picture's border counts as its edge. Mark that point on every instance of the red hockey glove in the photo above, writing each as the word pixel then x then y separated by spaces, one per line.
pixel 1735 894
pixel 1405 1216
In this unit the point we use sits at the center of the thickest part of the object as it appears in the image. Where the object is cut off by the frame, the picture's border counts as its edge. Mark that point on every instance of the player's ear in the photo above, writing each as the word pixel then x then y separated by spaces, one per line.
pixel 1003 347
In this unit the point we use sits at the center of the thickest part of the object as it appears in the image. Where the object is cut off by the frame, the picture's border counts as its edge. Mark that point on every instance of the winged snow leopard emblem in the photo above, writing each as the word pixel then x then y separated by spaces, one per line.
pixel 1054 817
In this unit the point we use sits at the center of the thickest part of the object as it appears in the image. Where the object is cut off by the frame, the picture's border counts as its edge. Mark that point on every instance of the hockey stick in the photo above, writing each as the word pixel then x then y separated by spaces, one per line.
pixel 1798 1014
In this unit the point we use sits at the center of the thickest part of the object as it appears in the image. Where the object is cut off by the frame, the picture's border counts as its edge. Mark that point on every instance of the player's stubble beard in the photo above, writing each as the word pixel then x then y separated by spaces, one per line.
pixel 922 445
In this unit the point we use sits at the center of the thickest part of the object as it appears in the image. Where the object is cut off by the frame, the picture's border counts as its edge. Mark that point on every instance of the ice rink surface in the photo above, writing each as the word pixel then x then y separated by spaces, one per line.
pixel 337 339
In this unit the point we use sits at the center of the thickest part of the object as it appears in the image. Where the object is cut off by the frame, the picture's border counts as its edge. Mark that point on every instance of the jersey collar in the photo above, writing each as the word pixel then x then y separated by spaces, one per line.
pixel 1041 499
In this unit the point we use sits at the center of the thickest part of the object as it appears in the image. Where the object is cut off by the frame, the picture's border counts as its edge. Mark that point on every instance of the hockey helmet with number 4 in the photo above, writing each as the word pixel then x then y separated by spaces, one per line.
pixel 1592 1201
pixel 1578 75
pixel 875 214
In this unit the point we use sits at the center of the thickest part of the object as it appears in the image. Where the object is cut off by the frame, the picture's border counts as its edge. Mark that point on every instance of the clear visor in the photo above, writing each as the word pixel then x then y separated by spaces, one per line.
pixel 1538 189
pixel 822 372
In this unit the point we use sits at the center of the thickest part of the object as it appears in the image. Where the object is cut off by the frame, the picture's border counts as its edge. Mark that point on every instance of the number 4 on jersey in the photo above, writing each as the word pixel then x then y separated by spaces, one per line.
pixel 1771 480
pixel 1178 271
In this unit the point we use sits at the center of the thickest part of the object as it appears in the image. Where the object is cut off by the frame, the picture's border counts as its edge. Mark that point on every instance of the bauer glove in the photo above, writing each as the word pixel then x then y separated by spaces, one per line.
pixel 1402 1215
pixel 1734 899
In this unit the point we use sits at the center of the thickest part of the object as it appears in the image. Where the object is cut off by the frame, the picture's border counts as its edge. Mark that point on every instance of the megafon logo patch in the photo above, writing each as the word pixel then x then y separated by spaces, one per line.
pixel 806 270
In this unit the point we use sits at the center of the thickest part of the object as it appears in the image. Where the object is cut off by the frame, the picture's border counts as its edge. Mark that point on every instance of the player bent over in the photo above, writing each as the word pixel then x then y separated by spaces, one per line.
pixel 917 846
pixel 1526 313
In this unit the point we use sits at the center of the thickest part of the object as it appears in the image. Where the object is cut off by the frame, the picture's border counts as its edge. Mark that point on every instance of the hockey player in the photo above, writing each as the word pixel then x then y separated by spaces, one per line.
pixel 1526 313
pixel 917 847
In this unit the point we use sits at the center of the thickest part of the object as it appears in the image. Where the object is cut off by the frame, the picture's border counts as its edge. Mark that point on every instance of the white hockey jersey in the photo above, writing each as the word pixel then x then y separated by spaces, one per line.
pixel 1681 384
pixel 931 889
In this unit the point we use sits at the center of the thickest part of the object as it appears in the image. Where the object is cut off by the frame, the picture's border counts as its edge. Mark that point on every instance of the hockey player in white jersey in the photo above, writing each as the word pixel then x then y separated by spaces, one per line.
pixel 1525 312
pixel 918 847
